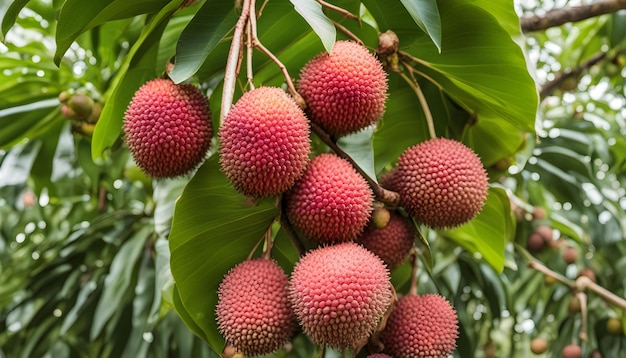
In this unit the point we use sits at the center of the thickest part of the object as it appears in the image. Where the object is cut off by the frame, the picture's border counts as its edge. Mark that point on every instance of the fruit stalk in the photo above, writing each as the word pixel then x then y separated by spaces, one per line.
pixel 412 82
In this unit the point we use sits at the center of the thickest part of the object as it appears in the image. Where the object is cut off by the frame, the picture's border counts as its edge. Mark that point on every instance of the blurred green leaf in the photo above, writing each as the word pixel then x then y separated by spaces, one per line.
pixel 214 228
pixel 9 12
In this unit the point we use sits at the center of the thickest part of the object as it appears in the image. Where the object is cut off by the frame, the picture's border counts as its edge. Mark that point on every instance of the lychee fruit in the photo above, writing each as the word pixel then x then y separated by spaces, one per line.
pixel 379 355
pixel 264 142
pixel 339 293
pixel 441 182
pixel 614 326
pixel 538 346
pixel 545 231
pixel 570 255
pixel 539 213
pixel 587 272
pixel 391 243
pixel 535 243
pixel 572 351
pixel 345 90
pixel 574 305
pixel 421 326
pixel 168 128
pixel 331 202
pixel 253 311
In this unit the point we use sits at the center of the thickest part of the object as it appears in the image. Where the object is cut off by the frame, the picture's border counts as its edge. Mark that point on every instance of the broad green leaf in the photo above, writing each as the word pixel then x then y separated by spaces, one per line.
pixel 360 148
pixel 426 16
pixel 392 15
pixel 493 139
pixel 78 16
pixel 138 67
pixel 504 12
pixel 312 12
pixel 214 228
pixel 480 66
pixel 207 28
pixel 489 231
pixel 17 121
pixel 9 12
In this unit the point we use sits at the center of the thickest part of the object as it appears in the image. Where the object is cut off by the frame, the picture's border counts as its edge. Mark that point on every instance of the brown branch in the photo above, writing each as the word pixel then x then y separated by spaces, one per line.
pixel 550 86
pixel 386 196
pixel 559 17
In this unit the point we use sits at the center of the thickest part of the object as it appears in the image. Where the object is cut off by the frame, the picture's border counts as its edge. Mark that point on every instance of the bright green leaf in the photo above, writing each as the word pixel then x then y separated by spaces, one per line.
pixel 214 229
pixel 312 12
pixel 9 12
pixel 426 16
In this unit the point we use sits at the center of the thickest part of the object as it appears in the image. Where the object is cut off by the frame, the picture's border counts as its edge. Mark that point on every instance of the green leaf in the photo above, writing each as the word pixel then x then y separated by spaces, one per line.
pixel 138 67
pixel 78 16
pixel 312 12
pixel 119 279
pixel 493 139
pixel 488 232
pixel 214 228
pixel 207 28
pixel 480 67
pixel 10 15
pixel 426 15
pixel 360 148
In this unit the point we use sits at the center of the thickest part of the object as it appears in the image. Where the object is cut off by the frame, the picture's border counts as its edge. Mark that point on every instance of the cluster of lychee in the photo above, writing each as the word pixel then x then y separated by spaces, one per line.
pixel 340 292
pixel 81 109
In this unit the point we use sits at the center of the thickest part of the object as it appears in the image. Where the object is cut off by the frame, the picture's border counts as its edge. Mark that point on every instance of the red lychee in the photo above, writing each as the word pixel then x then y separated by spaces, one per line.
pixel 264 142
pixel 421 326
pixel 331 202
pixel 535 243
pixel 538 346
pixel 339 293
pixel 168 128
pixel 572 351
pixel 253 310
pixel 391 243
pixel 379 355
pixel 442 183
pixel 545 231
pixel 570 255
pixel 345 90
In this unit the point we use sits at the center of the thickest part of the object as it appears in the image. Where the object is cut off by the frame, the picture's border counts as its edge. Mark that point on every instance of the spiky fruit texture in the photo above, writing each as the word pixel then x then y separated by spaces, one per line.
pixel 331 202
pixel 339 293
pixel 345 90
pixel 535 243
pixel 168 128
pixel 253 311
pixel 379 355
pixel 572 351
pixel 421 326
pixel 391 243
pixel 538 346
pixel 264 142
pixel 442 183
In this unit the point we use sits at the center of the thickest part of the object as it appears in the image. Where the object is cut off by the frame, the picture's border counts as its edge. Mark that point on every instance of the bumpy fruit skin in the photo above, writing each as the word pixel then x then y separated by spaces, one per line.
pixel 538 346
pixel 339 293
pixel 253 310
pixel 264 142
pixel 391 243
pixel 345 90
pixel 331 202
pixel 379 355
pixel 442 183
pixel 421 326
pixel 572 351
pixel 168 128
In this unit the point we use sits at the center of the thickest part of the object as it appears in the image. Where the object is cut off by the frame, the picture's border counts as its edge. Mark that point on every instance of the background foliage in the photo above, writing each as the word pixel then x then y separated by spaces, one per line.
pixel 90 247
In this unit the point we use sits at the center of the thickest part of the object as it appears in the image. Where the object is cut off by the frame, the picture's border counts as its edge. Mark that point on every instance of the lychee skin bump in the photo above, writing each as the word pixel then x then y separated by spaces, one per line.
pixel 331 202
pixel 421 326
pixel 168 128
pixel 441 182
pixel 345 90
pixel 253 310
pixel 339 293
pixel 391 243
pixel 264 142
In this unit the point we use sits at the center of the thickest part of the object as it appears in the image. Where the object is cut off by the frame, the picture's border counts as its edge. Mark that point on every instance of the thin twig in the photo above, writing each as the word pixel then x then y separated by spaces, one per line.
pixel 342 11
pixel 386 196
pixel 249 48
pixel 582 298
pixel 561 16
pixel 537 266
pixel 422 99
pixel 295 240
pixel 584 283
pixel 269 243
pixel 348 33
pixel 234 58
pixel 414 266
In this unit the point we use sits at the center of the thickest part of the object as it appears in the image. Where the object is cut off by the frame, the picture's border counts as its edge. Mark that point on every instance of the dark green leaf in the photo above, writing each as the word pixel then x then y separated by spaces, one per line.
pixel 207 28
pixel 9 12
pixel 214 228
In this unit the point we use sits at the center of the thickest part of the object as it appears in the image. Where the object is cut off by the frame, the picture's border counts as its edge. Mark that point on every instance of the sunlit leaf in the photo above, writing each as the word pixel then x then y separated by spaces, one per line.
pixel 426 16
pixel 312 12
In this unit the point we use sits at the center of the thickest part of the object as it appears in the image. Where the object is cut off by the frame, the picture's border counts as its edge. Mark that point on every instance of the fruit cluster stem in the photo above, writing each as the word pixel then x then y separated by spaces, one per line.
pixel 414 266
pixel 386 196
pixel 582 298
pixel 412 82
pixel 340 10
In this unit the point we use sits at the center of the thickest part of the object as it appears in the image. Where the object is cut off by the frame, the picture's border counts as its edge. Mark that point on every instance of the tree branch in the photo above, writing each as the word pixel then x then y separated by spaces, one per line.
pixel 559 17
pixel 549 86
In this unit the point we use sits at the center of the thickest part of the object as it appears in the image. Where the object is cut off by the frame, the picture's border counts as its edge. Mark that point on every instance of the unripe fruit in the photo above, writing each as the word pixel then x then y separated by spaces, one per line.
pixel 253 311
pixel 574 305
pixel 572 351
pixel 421 326
pixel 391 243
pixel 545 232
pixel 442 183
pixel 538 346
pixel 549 280
pixel 614 326
pixel 570 255
pixel 81 104
pixel 380 217
pixel 539 213
pixel 264 142
pixel 587 272
pixel 535 243
pixel 331 202
pixel 339 293
pixel 168 128
pixel 345 90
